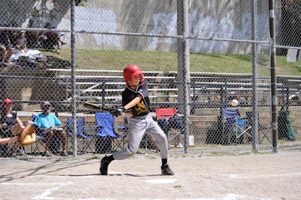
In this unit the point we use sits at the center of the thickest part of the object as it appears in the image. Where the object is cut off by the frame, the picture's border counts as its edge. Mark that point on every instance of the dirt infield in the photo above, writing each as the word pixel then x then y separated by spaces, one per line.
pixel 254 176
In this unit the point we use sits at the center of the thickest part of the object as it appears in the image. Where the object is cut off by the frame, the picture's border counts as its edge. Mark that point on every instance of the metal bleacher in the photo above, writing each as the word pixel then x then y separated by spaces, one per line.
pixel 102 88
pixel 206 89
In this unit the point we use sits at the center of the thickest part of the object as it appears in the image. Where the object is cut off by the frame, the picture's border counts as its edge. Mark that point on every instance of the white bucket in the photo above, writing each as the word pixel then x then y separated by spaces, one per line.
pixel 191 140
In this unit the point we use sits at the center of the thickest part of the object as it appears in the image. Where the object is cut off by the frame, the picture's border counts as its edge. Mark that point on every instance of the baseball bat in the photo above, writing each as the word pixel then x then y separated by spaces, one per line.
pixel 96 107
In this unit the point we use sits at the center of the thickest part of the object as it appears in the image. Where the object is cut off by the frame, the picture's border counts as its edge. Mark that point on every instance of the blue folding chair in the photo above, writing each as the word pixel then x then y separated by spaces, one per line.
pixel 235 124
pixel 81 133
pixel 105 130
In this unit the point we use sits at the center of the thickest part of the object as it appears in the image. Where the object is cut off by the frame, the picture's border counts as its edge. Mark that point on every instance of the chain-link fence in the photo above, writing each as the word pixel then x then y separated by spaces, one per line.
pixel 207 64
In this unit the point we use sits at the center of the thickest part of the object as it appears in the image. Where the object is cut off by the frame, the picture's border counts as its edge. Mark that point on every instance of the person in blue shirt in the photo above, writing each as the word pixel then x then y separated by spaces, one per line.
pixel 49 124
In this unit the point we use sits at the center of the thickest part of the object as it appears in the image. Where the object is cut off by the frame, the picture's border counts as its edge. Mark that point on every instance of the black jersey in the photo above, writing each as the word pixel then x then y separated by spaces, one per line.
pixel 142 108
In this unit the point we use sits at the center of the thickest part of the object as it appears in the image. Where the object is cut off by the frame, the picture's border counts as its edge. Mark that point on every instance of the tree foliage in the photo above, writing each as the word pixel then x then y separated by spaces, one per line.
pixel 79 2
pixel 293 7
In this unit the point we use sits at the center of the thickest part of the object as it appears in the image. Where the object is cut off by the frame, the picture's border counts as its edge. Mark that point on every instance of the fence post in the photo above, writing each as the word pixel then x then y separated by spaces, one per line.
pixel 73 78
pixel 183 66
pixel 273 77
pixel 254 77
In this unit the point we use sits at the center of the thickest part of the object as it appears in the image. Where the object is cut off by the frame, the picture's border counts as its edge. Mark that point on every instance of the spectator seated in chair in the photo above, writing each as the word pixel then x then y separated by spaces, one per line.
pixel 9 118
pixel 176 122
pixel 13 35
pixel 49 125
pixel 51 39
pixel 32 37
pixel 21 42
pixel 5 47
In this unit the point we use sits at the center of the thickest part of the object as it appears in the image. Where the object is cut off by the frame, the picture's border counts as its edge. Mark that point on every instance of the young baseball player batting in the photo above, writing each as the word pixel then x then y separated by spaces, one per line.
pixel 136 106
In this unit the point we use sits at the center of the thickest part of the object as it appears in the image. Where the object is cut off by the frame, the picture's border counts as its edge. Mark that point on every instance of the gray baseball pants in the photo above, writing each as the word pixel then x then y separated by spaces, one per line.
pixel 137 127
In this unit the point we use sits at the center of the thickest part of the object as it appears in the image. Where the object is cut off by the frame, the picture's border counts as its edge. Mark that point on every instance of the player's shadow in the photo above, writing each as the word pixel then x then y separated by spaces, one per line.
pixel 115 174
pixel 43 170
pixel 136 175
pixel 79 175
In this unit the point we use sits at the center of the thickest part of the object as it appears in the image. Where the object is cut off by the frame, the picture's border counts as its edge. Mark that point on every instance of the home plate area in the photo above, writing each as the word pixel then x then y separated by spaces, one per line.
pixel 264 176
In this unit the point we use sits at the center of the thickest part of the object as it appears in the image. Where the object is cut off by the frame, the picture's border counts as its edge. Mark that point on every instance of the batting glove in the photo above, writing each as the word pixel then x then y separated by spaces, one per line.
pixel 117 112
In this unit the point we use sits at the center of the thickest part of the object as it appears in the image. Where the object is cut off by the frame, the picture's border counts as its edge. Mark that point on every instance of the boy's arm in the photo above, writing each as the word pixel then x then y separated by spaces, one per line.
pixel 125 112
pixel 134 102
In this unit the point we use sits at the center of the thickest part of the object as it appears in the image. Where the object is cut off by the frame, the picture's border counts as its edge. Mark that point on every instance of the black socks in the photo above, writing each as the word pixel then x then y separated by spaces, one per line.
pixel 110 158
pixel 164 161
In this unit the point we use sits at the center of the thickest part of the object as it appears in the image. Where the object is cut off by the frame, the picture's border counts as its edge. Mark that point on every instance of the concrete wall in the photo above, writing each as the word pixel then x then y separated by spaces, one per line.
pixel 214 18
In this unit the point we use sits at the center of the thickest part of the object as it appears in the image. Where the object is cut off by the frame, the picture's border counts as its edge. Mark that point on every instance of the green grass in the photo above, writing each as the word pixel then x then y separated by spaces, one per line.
pixel 151 156
pixel 93 158
pixel 166 61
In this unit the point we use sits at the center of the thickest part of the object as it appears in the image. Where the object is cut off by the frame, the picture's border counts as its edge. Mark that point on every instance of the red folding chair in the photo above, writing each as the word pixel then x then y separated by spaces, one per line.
pixel 167 113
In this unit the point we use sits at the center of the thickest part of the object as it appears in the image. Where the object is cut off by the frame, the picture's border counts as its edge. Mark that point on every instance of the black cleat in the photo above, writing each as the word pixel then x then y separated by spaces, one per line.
pixel 104 163
pixel 165 170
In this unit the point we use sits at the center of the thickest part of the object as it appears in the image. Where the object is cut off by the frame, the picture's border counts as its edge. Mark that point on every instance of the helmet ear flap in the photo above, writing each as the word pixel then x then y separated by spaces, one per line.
pixel 142 79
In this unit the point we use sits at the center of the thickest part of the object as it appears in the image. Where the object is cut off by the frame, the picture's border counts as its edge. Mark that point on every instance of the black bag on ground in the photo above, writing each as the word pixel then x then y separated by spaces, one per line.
pixel 285 129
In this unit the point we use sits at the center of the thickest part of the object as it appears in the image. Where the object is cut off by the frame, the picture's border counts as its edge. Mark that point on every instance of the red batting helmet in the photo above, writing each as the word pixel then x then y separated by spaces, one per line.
pixel 131 71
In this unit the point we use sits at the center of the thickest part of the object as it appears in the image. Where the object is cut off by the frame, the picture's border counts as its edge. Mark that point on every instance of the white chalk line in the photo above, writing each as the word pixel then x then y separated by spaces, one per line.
pixel 236 176
pixel 47 192
pixel 65 176
pixel 36 184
